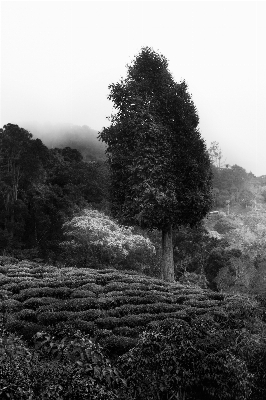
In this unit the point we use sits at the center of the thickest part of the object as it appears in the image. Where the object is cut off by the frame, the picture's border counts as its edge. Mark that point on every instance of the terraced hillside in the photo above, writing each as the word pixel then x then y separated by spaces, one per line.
pixel 112 306
pixel 195 340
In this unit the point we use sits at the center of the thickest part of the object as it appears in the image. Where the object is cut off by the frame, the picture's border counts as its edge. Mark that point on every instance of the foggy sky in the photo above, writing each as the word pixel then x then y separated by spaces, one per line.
pixel 58 58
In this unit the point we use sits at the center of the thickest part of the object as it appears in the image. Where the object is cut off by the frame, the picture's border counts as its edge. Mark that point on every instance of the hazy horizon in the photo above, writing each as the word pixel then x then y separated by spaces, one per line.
pixel 58 58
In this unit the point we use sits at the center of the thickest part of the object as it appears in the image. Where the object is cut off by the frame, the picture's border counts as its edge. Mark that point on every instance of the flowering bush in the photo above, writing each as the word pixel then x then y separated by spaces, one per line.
pixel 93 237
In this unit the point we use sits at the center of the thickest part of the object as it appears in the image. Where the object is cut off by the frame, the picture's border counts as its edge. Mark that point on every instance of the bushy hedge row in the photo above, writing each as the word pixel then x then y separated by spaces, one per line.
pixel 194 361
pixel 167 340
pixel 117 303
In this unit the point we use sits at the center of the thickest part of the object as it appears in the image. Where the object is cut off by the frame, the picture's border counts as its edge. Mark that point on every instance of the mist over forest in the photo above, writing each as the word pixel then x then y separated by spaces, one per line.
pixel 60 135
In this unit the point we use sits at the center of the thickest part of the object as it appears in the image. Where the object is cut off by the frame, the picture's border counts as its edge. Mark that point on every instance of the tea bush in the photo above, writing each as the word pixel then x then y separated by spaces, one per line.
pixel 181 360
pixel 71 369
pixel 37 302
pixel 82 293
pixel 27 315
pixel 114 308
pixel 6 260
pixel 15 368
pixel 25 329
pixel 89 315
pixel 94 377
pixel 51 318
pixel 60 292
pixel 10 305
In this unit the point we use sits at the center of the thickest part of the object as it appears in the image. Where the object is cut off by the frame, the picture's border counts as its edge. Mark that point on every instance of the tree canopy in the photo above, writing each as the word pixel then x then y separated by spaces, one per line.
pixel 160 167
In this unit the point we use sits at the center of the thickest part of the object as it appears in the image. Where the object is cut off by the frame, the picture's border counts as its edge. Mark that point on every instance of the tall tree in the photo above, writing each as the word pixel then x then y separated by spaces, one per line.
pixel 160 167
pixel 21 165
pixel 215 154
pixel 14 146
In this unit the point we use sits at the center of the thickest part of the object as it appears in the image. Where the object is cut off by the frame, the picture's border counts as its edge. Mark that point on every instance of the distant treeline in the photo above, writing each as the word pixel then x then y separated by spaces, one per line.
pixel 40 188
pixel 231 183
pixel 82 138
pixel 234 184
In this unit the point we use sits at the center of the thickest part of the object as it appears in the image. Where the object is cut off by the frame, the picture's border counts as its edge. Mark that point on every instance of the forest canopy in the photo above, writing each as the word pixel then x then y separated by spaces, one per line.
pixel 40 188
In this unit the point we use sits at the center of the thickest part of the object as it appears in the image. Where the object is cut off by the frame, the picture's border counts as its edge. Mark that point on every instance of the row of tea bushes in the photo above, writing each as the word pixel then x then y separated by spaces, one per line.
pixel 112 306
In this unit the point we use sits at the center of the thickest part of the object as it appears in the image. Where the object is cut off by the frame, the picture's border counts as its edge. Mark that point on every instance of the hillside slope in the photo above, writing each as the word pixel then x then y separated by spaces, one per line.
pixel 112 306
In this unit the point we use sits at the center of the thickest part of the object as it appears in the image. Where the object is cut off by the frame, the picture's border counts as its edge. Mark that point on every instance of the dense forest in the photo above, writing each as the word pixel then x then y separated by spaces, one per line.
pixel 40 189
pixel 132 260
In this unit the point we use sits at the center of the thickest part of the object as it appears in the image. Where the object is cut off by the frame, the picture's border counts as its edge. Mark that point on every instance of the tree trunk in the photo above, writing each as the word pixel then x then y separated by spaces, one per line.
pixel 12 222
pixel 167 255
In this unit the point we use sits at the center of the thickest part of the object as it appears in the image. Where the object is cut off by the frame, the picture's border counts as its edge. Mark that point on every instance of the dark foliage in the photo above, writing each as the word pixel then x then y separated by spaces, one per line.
pixel 198 344
pixel 160 167
pixel 40 188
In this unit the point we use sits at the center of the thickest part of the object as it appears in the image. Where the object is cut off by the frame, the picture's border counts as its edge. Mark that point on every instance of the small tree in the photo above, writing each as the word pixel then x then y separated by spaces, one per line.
pixel 215 154
pixel 160 168
pixel 93 236
pixel 246 198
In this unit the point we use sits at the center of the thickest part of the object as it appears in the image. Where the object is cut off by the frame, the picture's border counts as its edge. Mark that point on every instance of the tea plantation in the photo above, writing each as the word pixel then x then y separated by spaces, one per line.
pixel 197 344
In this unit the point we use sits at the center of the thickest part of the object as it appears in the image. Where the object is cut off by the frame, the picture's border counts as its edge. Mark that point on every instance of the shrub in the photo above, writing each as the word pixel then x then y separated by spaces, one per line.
pixel 6 260
pixel 108 322
pixel 15 367
pixel 224 225
pixel 36 302
pixel 87 327
pixel 216 296
pixel 93 237
pixel 180 314
pixel 51 318
pixel 3 269
pixel 117 345
pixel 200 303
pixel 92 286
pixel 136 320
pixel 113 294
pixel 5 293
pixel 116 286
pixel 178 360
pixel 128 309
pixel 82 293
pixel 242 312
pixel 79 304
pixel 10 305
pixel 7 284
pixel 192 278
pixel 88 315
pixel 60 292
pixel 93 376
pixel 127 331
pixel 25 329
pixel 68 369
pixel 26 315
pixel 25 284
pixel 39 270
